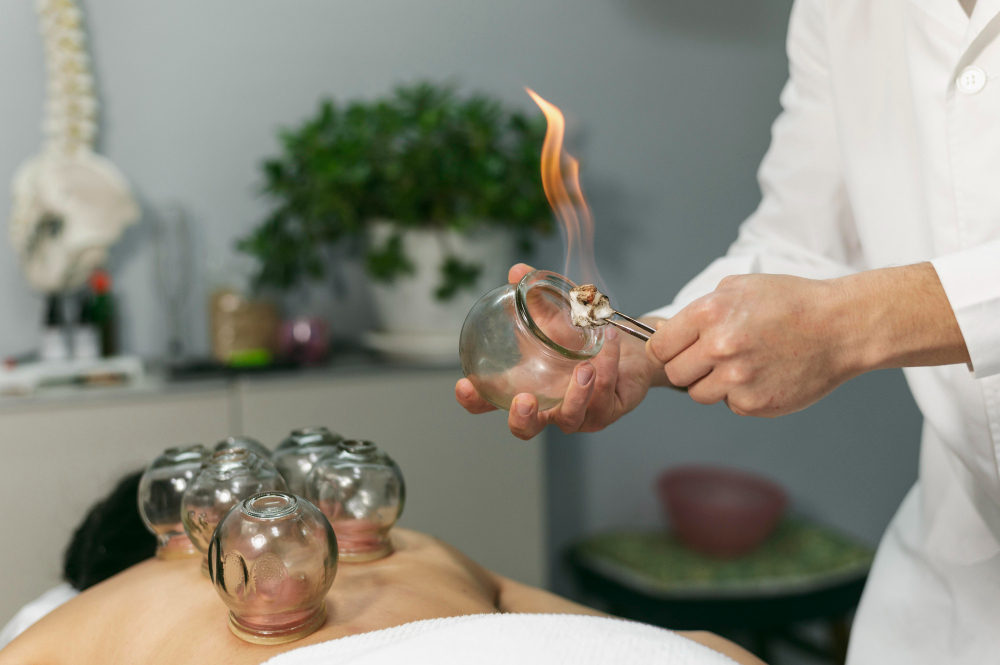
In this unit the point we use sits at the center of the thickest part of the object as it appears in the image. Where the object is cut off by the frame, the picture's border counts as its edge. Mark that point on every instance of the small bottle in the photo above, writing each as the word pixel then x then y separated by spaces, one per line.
pixel 54 345
pixel 103 312
pixel 86 337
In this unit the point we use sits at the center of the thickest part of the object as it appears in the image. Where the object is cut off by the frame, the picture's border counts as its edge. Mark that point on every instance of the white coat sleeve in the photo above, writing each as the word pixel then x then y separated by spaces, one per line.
pixel 971 280
pixel 803 225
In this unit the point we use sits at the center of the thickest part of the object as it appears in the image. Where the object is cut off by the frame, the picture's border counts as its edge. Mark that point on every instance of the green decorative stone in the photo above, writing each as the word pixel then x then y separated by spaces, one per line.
pixel 799 555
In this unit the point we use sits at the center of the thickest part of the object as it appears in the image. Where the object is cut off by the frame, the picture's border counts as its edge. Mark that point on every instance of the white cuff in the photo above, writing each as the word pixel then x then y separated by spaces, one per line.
pixel 971 280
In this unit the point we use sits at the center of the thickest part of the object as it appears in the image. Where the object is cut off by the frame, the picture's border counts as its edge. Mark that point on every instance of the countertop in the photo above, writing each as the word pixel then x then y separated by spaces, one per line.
pixel 161 380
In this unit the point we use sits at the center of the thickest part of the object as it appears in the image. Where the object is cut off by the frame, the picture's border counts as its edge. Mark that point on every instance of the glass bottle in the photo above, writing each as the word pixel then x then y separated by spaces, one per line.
pixel 245 442
pixel 54 345
pixel 272 560
pixel 361 491
pixel 296 455
pixel 103 312
pixel 519 338
pixel 226 478
pixel 161 489
pixel 85 335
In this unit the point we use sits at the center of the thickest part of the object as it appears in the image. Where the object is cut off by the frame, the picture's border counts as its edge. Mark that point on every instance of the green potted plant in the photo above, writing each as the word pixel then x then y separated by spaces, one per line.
pixel 436 190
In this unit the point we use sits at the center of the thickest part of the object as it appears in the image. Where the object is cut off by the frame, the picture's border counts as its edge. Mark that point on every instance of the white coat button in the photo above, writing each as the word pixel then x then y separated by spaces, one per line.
pixel 971 80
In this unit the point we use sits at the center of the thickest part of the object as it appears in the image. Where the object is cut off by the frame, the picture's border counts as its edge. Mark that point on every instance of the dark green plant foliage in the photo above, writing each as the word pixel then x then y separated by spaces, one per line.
pixel 389 262
pixel 423 158
pixel 456 275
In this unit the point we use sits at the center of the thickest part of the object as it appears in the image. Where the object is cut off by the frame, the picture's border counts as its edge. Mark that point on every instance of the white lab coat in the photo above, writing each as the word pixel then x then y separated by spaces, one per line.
pixel 887 153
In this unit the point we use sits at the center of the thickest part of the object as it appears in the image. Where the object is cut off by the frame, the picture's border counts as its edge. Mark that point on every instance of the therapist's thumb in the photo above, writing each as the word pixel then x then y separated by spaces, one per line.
pixel 517 272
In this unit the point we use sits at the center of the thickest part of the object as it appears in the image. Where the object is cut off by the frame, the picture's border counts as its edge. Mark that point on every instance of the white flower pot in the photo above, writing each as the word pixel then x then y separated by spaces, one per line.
pixel 414 324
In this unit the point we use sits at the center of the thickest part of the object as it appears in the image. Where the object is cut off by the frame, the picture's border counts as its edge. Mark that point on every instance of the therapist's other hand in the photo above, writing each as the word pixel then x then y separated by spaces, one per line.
pixel 769 345
pixel 762 343
pixel 600 391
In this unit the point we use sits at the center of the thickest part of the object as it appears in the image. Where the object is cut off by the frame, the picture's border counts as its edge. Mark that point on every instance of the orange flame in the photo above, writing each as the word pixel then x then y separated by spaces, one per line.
pixel 566 199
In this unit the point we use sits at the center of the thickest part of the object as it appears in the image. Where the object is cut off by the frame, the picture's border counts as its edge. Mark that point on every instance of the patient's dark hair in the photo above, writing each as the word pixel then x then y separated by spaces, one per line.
pixel 111 537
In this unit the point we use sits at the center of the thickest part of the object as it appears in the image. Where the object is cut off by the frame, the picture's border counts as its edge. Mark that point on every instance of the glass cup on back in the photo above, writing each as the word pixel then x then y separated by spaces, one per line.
pixel 361 491
pixel 519 338
pixel 161 489
pixel 226 478
pixel 295 455
pixel 272 560
pixel 245 442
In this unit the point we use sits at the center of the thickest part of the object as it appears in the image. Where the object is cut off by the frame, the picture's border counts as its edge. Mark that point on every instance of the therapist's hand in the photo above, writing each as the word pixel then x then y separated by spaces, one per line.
pixel 768 345
pixel 600 391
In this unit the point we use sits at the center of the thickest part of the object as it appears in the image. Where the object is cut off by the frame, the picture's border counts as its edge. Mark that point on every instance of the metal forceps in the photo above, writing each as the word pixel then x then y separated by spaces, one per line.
pixel 643 333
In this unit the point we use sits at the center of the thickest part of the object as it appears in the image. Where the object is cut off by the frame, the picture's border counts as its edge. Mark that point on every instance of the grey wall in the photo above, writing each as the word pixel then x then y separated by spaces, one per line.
pixel 671 102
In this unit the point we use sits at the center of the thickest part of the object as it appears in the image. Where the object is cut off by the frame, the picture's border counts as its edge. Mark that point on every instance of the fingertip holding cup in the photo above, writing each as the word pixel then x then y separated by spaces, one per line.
pixel 522 406
pixel 465 389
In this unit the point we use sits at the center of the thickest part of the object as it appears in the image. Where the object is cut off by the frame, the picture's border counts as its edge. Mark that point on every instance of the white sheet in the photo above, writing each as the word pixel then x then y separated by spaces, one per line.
pixel 521 639
pixel 35 610
pixel 484 639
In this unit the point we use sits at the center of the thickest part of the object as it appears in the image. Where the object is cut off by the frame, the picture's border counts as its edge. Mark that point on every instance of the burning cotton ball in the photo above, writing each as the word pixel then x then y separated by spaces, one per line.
pixel 589 307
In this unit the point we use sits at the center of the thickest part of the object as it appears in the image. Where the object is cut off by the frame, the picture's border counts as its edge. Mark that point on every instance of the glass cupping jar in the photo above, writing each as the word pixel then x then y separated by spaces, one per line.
pixel 245 442
pixel 361 491
pixel 161 490
pixel 272 560
pixel 520 338
pixel 294 457
pixel 226 478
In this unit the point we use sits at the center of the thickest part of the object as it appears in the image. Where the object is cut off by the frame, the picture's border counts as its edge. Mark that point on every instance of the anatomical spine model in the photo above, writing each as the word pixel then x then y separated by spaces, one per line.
pixel 69 203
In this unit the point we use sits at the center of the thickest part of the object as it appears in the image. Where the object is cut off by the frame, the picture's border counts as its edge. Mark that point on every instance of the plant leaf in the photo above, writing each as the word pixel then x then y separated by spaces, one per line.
pixel 456 276
pixel 389 262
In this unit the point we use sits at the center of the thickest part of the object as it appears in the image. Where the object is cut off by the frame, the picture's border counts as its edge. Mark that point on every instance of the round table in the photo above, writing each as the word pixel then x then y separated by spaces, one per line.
pixel 803 572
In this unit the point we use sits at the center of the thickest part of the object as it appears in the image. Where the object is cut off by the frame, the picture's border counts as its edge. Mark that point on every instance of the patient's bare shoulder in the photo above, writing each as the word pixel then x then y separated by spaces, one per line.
pixel 67 624
pixel 152 612
pixel 166 611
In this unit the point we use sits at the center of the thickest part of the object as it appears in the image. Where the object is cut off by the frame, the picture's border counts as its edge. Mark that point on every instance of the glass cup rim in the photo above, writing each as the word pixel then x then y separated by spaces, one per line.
pixel 358 448
pixel 192 452
pixel 289 505
pixel 521 305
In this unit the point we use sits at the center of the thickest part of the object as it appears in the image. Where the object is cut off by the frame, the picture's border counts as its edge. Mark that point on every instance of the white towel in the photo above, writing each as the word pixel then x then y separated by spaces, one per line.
pixel 35 610
pixel 522 639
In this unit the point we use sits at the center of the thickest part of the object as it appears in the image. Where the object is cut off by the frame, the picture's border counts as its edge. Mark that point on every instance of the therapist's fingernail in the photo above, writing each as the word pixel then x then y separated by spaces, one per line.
pixel 611 334
pixel 584 374
pixel 659 324
pixel 466 390
pixel 522 407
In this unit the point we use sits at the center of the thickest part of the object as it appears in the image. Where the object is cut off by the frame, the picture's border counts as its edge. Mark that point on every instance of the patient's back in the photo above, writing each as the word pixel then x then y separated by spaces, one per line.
pixel 167 612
